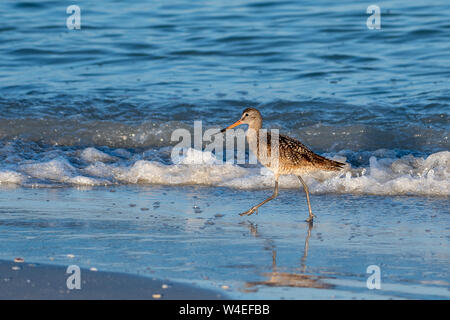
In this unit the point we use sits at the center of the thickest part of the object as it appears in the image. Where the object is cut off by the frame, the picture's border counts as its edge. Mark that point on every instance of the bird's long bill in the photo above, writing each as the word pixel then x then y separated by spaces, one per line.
pixel 232 126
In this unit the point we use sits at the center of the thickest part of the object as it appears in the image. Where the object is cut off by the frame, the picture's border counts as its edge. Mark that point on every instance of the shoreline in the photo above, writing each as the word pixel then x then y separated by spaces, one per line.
pixel 195 236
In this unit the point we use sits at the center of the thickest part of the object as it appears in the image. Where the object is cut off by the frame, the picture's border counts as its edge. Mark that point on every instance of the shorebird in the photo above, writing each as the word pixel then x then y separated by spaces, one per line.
pixel 292 156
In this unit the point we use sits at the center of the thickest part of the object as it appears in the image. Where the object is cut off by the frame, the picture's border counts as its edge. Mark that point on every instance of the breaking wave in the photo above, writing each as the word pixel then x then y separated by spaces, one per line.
pixel 381 175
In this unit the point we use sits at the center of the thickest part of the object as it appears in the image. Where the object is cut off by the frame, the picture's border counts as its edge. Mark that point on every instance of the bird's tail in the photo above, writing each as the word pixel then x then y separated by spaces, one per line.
pixel 328 164
pixel 335 165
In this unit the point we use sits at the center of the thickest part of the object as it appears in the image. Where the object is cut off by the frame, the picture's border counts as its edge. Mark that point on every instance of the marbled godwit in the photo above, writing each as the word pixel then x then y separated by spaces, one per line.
pixel 293 156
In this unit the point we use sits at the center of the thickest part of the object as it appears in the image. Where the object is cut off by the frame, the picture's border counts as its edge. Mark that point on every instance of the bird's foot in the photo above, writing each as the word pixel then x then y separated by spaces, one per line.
pixel 249 212
pixel 311 218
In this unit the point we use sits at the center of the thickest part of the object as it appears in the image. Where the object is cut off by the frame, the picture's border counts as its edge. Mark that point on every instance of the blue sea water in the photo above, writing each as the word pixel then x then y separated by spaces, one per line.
pixel 138 70
pixel 97 106
pixel 300 62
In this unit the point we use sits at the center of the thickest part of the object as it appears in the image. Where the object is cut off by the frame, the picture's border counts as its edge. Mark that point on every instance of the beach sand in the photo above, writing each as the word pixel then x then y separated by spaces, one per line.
pixel 30 281
pixel 194 236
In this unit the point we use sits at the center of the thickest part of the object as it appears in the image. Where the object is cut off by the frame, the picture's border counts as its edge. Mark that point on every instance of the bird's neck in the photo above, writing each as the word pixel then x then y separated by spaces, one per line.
pixel 253 130
pixel 256 125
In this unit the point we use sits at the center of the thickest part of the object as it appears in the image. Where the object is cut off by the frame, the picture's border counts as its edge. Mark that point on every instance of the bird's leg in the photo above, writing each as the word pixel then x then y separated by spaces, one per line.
pixel 255 208
pixel 311 216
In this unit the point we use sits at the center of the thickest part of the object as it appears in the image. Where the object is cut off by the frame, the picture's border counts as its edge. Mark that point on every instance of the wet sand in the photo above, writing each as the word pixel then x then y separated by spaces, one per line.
pixel 35 281
pixel 194 236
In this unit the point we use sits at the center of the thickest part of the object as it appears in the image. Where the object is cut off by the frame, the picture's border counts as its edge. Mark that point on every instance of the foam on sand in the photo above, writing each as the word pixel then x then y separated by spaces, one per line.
pixel 7 176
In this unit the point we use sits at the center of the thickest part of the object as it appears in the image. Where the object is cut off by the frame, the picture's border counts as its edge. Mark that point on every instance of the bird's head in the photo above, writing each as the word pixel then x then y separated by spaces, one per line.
pixel 249 116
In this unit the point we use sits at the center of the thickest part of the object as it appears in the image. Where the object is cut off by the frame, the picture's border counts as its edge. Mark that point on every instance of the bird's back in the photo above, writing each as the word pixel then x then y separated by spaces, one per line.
pixel 295 157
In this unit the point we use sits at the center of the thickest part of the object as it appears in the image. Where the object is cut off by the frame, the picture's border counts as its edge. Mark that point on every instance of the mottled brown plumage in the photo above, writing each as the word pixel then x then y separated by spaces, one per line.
pixel 295 157
pixel 290 155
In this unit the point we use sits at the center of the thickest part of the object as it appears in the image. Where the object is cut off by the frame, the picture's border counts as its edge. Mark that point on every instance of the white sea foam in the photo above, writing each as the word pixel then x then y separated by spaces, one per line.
pixel 57 170
pixel 7 176
pixel 194 156
pixel 382 176
pixel 93 155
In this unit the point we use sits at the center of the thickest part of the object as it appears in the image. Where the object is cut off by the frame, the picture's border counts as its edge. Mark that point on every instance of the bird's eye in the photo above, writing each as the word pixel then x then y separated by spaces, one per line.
pixel 246 114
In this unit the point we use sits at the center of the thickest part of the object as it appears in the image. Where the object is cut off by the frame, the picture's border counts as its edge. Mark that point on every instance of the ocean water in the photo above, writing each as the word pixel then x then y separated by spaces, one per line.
pixel 95 108
pixel 136 71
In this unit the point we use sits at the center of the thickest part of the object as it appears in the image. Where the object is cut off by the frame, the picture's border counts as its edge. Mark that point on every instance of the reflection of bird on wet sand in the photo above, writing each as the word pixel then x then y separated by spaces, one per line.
pixel 286 279
pixel 287 155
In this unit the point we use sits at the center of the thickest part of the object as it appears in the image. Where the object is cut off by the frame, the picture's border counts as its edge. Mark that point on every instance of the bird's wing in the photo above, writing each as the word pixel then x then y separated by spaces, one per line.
pixel 297 154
